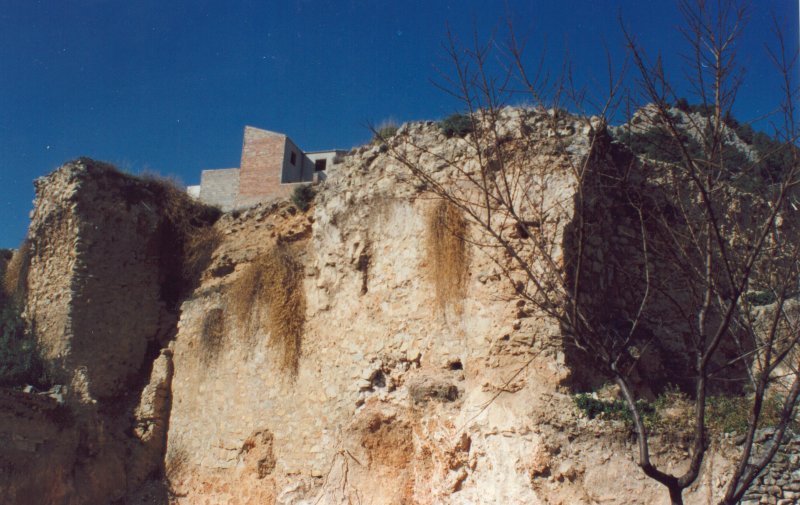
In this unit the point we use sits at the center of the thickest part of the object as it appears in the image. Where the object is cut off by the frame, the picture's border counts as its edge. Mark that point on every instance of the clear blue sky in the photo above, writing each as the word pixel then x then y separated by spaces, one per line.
pixel 168 85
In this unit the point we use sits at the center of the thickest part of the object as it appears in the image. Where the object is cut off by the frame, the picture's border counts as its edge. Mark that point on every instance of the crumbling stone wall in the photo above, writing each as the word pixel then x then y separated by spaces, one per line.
pixel 38 448
pixel 780 482
pixel 101 306
pixel 94 299
pixel 631 270
pixel 55 451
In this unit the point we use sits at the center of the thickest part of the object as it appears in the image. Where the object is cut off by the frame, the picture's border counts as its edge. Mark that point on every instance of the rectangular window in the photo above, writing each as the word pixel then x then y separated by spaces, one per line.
pixel 319 165
pixel 293 158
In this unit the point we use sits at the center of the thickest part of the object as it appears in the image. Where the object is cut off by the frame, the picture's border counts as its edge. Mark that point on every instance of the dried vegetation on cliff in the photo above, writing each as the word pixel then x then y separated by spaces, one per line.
pixel 446 249
pixel 268 296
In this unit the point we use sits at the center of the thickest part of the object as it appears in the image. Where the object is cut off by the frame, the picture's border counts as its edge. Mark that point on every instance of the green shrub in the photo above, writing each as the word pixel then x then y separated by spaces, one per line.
pixel 616 410
pixel 757 298
pixel 730 414
pixel 385 131
pixel 673 412
pixel 303 196
pixel 456 125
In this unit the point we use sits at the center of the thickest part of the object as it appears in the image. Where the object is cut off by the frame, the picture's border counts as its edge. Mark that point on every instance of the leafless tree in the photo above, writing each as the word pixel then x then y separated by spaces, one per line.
pixel 698 245
pixel 731 243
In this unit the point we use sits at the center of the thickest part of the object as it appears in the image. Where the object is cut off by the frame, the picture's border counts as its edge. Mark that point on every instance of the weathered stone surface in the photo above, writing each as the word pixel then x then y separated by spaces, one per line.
pixel 94 298
pixel 100 289
pixel 38 449
pixel 395 400
pixel 388 385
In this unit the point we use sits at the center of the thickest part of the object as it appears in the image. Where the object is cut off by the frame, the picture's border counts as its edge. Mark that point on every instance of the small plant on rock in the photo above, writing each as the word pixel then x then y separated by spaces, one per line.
pixel 456 125
pixel 303 196
pixel 384 131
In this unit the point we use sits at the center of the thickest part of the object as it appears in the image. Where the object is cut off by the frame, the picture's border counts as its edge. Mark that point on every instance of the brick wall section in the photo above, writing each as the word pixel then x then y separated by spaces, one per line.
pixel 220 187
pixel 262 161
pixel 266 172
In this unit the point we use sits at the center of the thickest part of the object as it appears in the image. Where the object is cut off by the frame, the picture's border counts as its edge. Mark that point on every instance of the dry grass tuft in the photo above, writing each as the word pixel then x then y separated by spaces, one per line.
pixel 447 253
pixel 16 274
pixel 269 293
pixel 212 334
pixel 176 461
pixel 189 237
pixel 198 248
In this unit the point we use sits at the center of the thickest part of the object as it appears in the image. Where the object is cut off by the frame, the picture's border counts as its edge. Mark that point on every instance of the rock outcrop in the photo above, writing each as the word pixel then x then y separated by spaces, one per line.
pixel 395 400
pixel 398 396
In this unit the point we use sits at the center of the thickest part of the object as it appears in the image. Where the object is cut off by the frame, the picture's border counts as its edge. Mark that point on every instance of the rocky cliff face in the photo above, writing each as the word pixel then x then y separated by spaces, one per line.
pixel 398 396
pixel 395 400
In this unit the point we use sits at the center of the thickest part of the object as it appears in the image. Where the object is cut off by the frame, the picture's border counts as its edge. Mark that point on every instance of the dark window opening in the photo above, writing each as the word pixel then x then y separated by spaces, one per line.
pixel 293 158
pixel 319 165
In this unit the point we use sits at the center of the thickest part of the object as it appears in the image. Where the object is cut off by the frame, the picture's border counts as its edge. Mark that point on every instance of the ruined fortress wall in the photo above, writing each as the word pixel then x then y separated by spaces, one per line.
pixel 220 187
pixel 94 305
pixel 53 233
pixel 780 481
pixel 396 399
pixel 94 286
